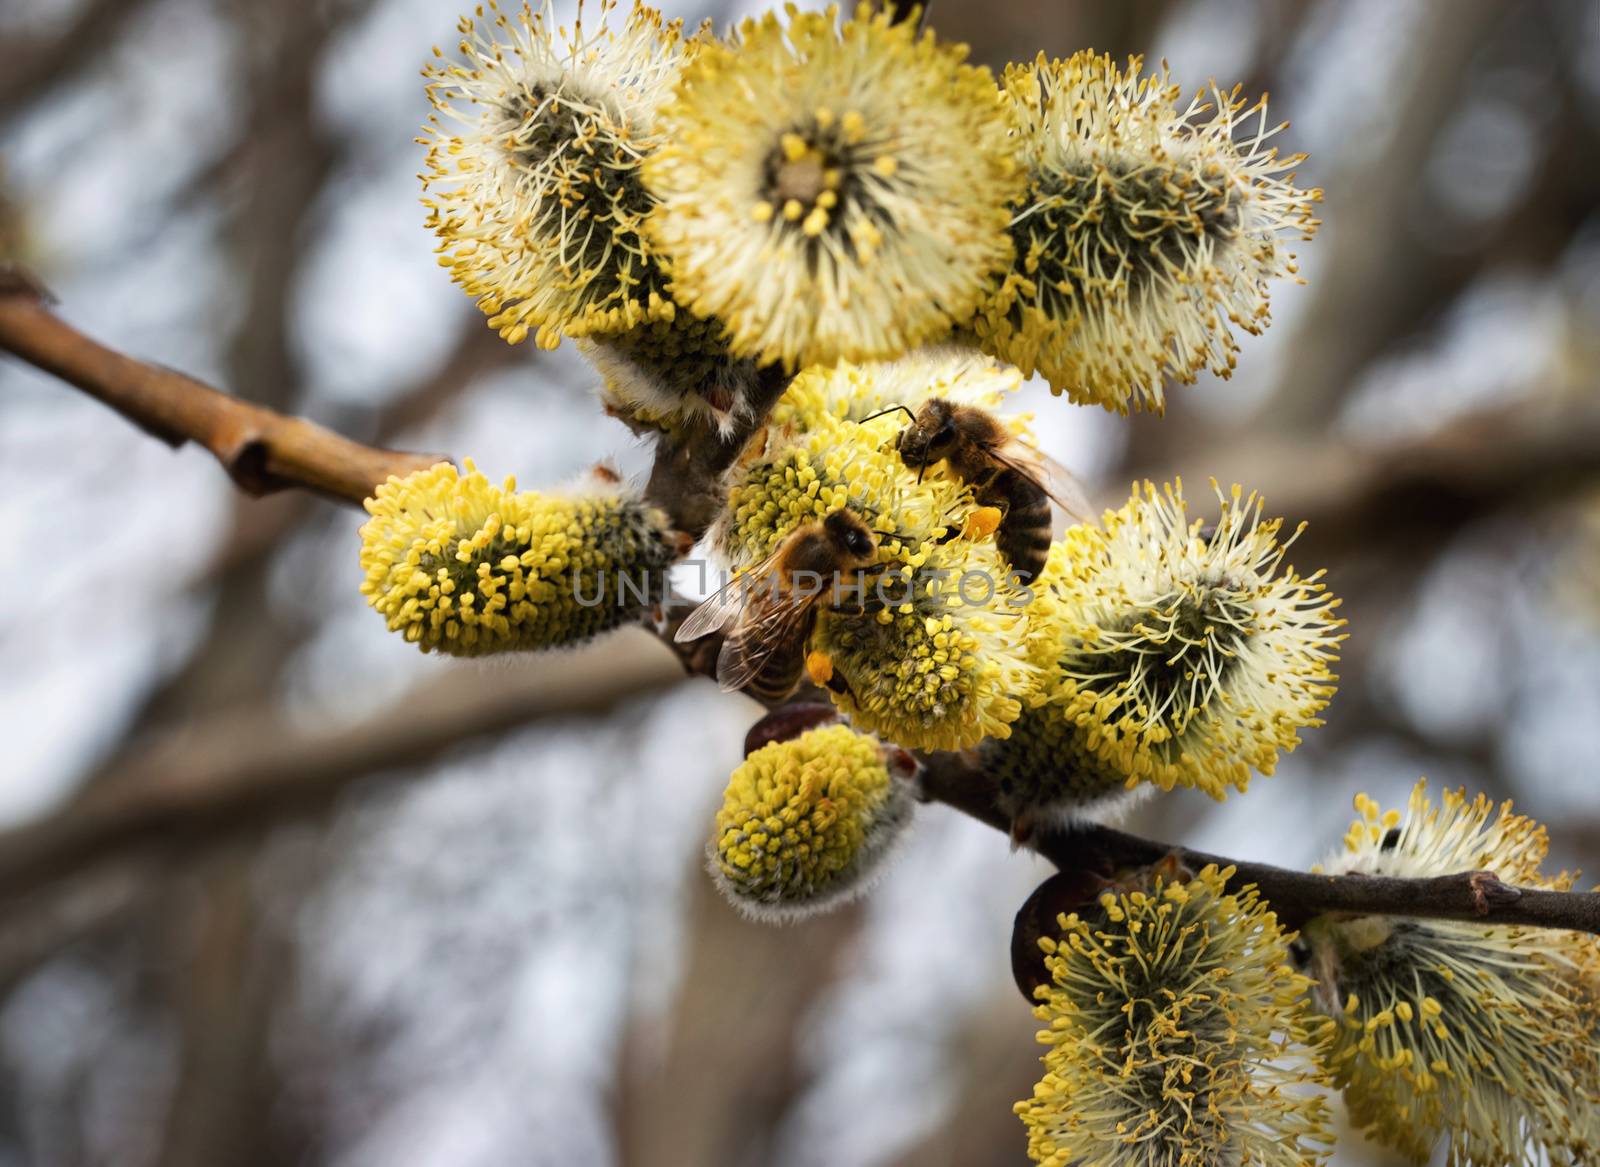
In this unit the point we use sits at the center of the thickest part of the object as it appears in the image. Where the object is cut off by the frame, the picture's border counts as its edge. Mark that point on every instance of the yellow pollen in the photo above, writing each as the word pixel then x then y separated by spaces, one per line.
pixel 794 147
pixel 982 522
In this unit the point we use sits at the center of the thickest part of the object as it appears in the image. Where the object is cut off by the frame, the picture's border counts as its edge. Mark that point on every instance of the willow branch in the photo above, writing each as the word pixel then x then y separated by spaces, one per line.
pixel 262 451
pixel 686 478
pixel 1296 896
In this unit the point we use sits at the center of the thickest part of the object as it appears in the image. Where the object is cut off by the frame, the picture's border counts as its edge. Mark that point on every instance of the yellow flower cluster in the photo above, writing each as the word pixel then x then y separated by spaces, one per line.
pixel 1185 656
pixel 832 190
pixel 1046 776
pixel 1148 228
pixel 532 176
pixel 1483 1034
pixel 849 391
pixel 812 187
pixel 1177 1035
pixel 937 666
pixel 460 566
pixel 935 657
pixel 805 823
pixel 825 194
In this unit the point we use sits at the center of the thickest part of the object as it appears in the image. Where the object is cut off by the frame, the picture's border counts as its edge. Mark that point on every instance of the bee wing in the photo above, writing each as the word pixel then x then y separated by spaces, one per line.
pixel 770 625
pixel 718 611
pixel 1056 480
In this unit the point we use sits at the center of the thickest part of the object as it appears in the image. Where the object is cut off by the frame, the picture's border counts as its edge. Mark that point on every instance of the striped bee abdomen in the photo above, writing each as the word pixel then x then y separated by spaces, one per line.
pixel 1024 533
pixel 778 677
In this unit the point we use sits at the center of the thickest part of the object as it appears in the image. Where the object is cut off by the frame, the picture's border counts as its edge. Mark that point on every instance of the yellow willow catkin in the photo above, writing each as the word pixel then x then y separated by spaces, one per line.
pixel 1185 656
pixel 1149 231
pixel 805 823
pixel 939 665
pixel 832 190
pixel 1481 1035
pixel 532 177
pixel 460 566
pixel 1176 1034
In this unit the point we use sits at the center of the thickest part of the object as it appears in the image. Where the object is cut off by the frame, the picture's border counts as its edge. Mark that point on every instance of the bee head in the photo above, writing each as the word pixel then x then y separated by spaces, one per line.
pixel 930 435
pixel 850 534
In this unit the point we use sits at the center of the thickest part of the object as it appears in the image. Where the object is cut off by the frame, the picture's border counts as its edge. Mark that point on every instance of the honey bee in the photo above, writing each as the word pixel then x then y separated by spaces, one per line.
pixel 768 623
pixel 1002 472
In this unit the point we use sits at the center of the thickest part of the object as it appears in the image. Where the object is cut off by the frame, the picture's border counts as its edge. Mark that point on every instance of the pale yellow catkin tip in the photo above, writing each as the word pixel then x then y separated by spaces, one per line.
pixel 1151 229
pixel 806 823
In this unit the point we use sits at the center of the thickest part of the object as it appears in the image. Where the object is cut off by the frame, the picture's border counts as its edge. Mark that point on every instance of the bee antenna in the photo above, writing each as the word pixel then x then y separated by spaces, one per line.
pixel 922 469
pixel 891 409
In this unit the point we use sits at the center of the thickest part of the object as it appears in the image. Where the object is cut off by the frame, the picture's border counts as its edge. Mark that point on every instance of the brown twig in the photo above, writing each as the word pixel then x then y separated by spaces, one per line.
pixel 686 478
pixel 266 450
pixel 1296 896
pixel 262 450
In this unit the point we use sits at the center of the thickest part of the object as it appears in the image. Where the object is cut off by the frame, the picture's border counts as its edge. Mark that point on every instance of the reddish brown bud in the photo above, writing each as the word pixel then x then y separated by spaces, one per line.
pixel 788 721
pixel 1063 892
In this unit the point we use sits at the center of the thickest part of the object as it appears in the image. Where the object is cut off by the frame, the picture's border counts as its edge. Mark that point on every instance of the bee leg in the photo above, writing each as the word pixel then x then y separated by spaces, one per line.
pixel 819 667
pixel 850 608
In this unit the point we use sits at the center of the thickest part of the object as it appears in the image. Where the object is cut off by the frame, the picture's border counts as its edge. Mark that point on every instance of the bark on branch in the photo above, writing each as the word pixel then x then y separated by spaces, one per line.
pixel 262 450
pixel 1296 896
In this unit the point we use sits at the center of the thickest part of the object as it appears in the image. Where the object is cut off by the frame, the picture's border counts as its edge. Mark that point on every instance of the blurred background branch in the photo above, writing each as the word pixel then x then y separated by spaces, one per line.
pixel 517 959
pixel 241 766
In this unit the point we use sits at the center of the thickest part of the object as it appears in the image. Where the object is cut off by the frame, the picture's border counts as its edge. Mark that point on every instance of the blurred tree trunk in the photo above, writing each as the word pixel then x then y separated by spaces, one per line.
pixel 713 1085
pixel 994 1064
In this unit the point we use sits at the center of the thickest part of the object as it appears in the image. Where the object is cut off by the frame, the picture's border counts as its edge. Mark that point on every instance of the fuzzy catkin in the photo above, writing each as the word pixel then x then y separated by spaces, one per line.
pixel 460 566
pixel 805 823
